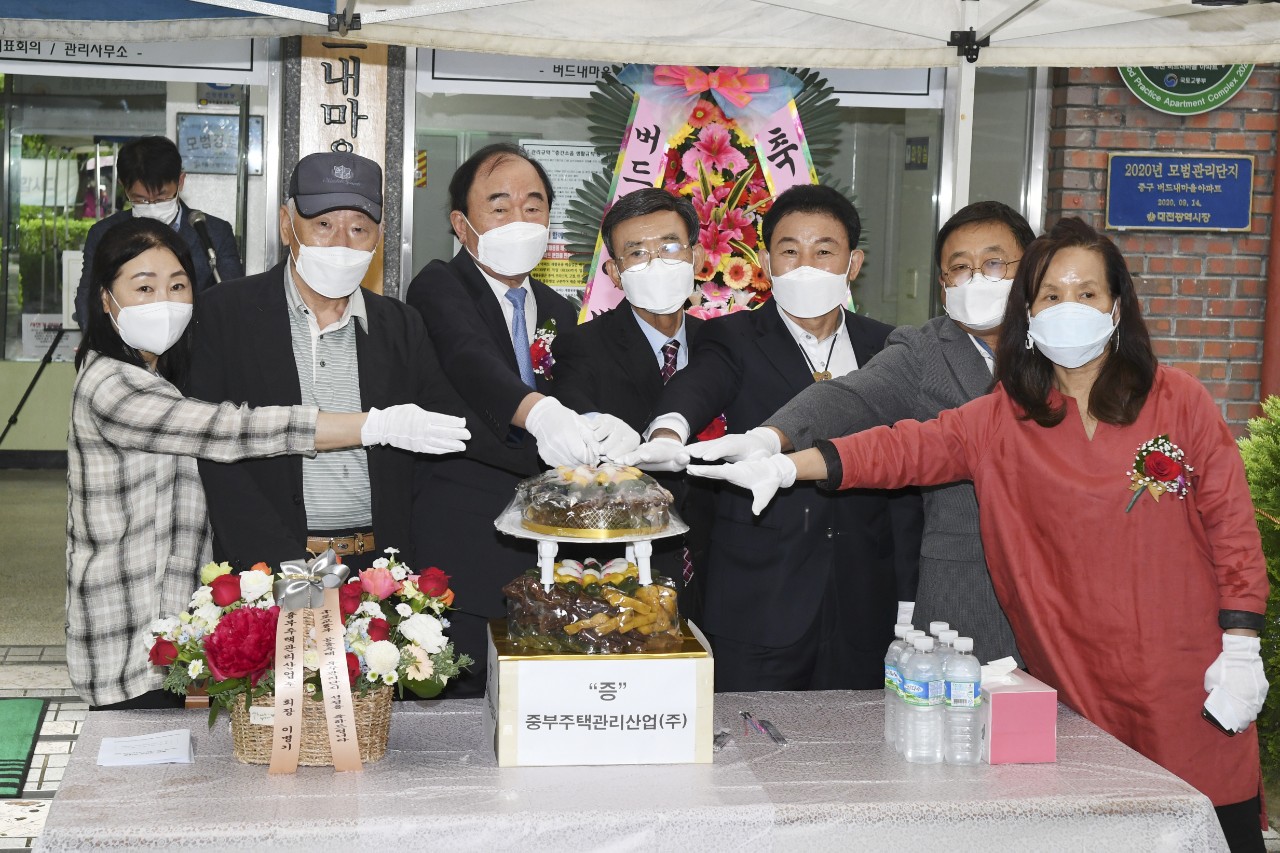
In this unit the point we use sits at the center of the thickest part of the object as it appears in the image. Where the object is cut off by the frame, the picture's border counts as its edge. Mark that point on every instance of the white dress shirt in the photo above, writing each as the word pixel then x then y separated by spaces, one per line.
pixel 509 310
pixel 657 341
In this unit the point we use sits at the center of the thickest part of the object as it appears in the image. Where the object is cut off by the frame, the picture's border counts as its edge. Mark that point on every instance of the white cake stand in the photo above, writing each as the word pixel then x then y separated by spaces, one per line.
pixel 639 546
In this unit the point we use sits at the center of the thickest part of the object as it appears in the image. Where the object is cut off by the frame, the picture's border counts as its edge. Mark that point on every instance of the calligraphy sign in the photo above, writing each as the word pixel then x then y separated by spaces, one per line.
pixel 342 106
pixel 783 151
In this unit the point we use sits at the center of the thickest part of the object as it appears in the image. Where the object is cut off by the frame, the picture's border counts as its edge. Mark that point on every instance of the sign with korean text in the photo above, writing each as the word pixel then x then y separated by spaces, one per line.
pixel 631 713
pixel 343 107
pixel 198 60
pixel 569 165
pixel 210 144
pixel 1181 192
pixel 1185 90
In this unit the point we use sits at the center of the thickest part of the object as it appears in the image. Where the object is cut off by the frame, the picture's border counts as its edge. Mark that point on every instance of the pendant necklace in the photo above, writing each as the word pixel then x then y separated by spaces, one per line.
pixel 824 374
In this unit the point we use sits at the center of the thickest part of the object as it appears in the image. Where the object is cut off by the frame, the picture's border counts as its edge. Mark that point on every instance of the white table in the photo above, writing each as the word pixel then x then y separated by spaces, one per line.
pixel 835 787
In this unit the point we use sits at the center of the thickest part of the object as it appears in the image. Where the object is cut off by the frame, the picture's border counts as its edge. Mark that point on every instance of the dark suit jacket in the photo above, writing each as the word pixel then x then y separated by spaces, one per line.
pixel 224 246
pixel 244 353
pixel 607 365
pixel 767 575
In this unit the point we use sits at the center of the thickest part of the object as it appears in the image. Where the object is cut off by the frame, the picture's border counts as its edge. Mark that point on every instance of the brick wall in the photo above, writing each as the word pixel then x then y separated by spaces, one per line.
pixel 1202 292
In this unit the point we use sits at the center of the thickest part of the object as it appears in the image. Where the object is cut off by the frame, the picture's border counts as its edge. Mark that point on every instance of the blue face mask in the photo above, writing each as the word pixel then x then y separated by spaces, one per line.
pixel 1071 334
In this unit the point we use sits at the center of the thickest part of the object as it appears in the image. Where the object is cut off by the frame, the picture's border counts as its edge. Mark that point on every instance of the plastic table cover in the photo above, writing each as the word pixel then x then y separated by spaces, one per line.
pixel 835 786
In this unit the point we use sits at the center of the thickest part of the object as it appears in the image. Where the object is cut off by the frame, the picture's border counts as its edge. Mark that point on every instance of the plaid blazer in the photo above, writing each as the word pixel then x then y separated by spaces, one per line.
pixel 137 527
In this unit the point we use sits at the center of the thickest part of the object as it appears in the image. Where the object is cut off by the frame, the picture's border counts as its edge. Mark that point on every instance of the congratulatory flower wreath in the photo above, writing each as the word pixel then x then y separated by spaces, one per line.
pixel 225 642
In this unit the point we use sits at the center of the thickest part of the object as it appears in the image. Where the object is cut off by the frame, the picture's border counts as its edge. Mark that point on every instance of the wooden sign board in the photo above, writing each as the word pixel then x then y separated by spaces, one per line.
pixel 342 106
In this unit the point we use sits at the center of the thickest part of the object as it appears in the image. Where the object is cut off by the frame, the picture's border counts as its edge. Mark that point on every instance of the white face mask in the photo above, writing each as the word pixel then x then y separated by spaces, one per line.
pixel 331 271
pixel 163 211
pixel 1071 334
pixel 978 303
pixel 810 292
pixel 153 327
pixel 658 286
pixel 511 249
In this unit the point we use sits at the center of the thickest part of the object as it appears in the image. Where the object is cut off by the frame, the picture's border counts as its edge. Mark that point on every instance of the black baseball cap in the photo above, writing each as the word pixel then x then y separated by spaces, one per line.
pixel 333 181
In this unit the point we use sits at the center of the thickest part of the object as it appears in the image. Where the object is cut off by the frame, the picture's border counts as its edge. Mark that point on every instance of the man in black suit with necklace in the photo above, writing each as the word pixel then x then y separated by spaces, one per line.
pixel 619 362
pixel 804 595
pixel 484 313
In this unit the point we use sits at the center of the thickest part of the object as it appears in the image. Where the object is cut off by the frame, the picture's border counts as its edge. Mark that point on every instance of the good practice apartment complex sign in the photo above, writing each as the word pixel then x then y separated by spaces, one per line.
pixel 1185 90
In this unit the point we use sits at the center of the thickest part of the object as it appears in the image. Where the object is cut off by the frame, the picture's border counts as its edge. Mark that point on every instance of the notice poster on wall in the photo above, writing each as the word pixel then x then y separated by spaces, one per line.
pixel 568 165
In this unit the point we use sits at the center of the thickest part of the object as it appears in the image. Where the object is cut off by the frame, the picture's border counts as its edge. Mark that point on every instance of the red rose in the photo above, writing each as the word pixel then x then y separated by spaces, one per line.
pixel 353 668
pixel 226 590
pixel 349 598
pixel 379 629
pixel 243 645
pixel 163 652
pixel 1161 466
pixel 433 582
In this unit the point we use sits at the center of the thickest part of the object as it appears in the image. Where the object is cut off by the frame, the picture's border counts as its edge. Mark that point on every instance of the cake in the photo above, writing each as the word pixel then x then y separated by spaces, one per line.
pixel 593 502
pixel 593 609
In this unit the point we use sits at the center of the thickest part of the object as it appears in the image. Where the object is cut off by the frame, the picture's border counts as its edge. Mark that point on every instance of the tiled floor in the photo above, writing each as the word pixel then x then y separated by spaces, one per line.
pixel 40 672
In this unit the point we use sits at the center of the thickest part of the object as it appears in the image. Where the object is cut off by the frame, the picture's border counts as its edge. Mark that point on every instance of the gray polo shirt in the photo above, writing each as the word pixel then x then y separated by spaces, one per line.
pixel 335 484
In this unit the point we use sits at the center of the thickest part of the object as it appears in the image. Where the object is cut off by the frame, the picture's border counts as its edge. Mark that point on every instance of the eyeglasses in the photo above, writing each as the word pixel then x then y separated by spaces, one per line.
pixel 141 200
pixel 993 269
pixel 638 257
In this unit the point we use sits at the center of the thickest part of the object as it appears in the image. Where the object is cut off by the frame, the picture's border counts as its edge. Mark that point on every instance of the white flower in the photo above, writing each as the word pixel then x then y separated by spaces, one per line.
pixel 424 630
pixel 382 657
pixel 404 610
pixel 390 677
pixel 164 626
pixel 381 563
pixel 253 585
pixel 311 659
pixel 391 550
pixel 201 597
pixel 399 572
pixel 196 668
pixel 209 614
pixel 422 668
pixel 372 609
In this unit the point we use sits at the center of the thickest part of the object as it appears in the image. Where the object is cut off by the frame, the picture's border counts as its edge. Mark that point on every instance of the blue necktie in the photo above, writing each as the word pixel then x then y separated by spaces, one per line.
pixel 520 335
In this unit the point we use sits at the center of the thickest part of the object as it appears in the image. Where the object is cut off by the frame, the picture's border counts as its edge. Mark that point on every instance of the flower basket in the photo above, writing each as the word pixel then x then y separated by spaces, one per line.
pixel 252 742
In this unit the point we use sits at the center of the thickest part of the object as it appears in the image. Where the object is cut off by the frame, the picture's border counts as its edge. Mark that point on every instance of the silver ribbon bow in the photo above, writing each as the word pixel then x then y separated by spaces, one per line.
pixel 301 583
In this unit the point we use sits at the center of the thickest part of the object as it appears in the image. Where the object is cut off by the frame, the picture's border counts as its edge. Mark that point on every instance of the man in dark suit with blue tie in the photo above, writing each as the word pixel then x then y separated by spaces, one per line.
pixel 483 312
pixel 619 362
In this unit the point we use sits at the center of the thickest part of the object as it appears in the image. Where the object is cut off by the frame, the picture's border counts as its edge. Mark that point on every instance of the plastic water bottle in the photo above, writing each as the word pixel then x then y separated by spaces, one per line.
pixel 936 628
pixel 963 676
pixel 945 646
pixel 893 682
pixel 900 718
pixel 923 695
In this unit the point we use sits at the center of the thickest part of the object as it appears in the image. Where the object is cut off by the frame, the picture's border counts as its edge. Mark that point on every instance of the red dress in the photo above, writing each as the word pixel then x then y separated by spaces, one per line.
pixel 1118 611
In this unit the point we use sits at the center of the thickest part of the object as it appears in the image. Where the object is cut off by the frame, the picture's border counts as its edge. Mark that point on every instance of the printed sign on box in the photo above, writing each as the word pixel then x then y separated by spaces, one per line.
pixel 1183 192
pixel 563 709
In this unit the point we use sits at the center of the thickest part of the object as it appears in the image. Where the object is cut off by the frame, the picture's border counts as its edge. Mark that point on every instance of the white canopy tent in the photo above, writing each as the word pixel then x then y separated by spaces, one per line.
pixel 952 34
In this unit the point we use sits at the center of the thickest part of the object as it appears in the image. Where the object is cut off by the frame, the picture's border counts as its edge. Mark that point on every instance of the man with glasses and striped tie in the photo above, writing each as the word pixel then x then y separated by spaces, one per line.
pixel 483 311
pixel 618 363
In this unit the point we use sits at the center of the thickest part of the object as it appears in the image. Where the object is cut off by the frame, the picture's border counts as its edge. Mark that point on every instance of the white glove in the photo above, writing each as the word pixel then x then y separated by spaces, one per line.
pixel 755 443
pixel 661 454
pixel 906 609
pixel 411 427
pixel 1236 683
pixel 564 436
pixel 762 476
pixel 613 438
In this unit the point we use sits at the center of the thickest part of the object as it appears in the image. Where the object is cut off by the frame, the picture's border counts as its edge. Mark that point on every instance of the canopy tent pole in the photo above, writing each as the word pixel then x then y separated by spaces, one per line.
pixel 957 140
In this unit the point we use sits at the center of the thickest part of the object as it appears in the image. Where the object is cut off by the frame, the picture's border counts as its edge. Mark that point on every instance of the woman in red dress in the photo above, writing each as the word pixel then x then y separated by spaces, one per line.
pixel 1115 514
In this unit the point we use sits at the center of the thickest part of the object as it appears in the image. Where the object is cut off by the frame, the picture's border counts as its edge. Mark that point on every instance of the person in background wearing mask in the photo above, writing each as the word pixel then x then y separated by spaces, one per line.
pixel 619 362
pixel 137 529
pixel 1116 517
pixel 306 332
pixel 804 596
pixel 484 311
pixel 943 364
pixel 150 173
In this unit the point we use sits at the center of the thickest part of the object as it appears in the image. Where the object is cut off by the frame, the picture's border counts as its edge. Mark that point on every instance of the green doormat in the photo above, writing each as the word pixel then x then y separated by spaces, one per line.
pixel 20 721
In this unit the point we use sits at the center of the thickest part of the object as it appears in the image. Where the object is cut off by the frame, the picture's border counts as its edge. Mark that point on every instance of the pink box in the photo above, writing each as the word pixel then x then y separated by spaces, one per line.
pixel 1019 720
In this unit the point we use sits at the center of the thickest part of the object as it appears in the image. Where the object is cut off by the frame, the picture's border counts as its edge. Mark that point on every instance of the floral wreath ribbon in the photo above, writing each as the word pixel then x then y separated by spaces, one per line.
pixel 312 586
pixel 747 95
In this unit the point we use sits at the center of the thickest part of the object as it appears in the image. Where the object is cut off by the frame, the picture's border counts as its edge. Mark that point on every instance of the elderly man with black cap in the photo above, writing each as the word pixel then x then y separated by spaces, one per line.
pixel 305 332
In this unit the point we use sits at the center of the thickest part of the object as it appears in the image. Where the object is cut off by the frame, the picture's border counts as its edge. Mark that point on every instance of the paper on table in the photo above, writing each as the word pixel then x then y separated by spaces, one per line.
pixel 998 671
pixel 172 747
